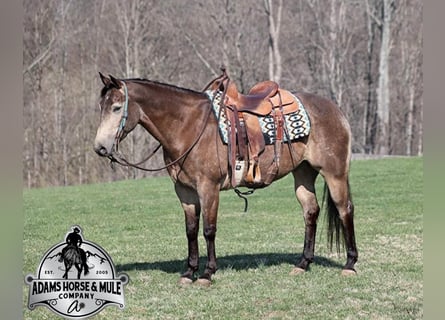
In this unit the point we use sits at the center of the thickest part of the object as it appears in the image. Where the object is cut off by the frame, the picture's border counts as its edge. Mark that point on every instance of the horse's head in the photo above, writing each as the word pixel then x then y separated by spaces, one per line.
pixel 118 115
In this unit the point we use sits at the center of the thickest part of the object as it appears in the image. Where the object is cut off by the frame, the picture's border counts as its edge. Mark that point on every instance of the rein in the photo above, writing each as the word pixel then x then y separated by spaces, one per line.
pixel 124 162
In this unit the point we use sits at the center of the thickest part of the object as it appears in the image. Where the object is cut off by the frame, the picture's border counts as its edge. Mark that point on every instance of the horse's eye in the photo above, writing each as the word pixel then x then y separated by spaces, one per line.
pixel 117 108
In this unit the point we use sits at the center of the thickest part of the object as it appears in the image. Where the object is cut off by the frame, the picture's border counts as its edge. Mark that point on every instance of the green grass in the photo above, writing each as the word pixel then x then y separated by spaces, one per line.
pixel 141 225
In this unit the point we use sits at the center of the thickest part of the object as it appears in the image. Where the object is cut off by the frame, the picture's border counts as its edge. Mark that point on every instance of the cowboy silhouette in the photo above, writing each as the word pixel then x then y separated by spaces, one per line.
pixel 74 241
pixel 74 238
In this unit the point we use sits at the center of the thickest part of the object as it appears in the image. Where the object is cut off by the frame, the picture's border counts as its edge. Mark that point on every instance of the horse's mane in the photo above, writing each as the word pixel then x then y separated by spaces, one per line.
pixel 162 84
pixel 157 83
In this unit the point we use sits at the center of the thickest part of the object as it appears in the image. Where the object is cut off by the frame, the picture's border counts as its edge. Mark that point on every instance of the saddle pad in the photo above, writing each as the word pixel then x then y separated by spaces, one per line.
pixel 297 123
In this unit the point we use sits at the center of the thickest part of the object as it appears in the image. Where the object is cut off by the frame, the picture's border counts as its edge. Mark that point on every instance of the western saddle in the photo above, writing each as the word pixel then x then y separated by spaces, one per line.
pixel 246 140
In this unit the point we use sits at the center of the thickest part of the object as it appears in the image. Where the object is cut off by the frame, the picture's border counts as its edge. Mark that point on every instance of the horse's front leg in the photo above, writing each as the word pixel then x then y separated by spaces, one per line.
pixel 209 199
pixel 190 203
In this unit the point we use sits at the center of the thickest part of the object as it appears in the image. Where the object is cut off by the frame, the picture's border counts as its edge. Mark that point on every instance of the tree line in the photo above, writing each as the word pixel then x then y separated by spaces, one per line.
pixel 366 55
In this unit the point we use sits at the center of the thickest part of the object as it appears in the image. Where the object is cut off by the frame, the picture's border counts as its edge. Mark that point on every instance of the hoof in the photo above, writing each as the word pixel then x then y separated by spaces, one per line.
pixel 348 272
pixel 296 271
pixel 203 282
pixel 184 281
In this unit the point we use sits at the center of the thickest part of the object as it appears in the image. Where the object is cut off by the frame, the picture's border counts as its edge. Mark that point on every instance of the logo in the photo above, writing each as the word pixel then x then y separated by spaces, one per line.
pixel 76 279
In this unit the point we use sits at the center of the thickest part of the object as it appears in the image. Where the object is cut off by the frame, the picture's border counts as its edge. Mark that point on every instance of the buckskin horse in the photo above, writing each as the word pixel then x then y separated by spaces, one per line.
pixel 201 164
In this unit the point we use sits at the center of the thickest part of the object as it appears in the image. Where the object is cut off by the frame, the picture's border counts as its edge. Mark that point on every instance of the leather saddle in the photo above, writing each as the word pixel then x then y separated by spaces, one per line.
pixel 261 99
pixel 246 140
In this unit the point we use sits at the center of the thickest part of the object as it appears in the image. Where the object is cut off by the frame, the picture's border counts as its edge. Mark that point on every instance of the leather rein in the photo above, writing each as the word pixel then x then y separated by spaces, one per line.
pixel 117 157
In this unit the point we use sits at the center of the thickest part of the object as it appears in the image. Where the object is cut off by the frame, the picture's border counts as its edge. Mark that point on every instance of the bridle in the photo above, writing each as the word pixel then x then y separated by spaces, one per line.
pixel 120 129
pixel 117 157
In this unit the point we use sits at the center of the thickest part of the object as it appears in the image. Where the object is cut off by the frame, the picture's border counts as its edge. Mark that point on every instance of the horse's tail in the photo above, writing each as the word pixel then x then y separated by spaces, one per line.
pixel 83 257
pixel 335 227
pixel 86 269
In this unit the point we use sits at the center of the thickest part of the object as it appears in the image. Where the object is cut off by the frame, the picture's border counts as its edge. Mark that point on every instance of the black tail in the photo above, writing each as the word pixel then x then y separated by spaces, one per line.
pixel 86 269
pixel 335 226
pixel 84 258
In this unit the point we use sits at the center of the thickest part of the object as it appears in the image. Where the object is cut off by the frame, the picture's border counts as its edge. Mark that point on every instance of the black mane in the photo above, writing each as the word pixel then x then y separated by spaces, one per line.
pixel 146 81
pixel 162 84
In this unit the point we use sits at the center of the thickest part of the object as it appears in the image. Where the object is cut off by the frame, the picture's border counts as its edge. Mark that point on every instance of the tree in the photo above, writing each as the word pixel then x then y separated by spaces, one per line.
pixel 407 66
pixel 383 97
pixel 274 23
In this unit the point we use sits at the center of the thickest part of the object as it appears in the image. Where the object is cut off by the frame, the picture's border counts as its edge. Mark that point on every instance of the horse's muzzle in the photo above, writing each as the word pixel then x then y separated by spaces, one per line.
pixel 101 151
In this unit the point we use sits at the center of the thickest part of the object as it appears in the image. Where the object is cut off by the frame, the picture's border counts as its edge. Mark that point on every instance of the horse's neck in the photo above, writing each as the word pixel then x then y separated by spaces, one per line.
pixel 171 115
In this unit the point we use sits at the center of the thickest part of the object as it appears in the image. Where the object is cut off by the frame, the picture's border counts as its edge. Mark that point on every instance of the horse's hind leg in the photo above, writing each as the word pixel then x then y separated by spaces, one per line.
pixel 79 270
pixel 304 179
pixel 341 215
pixel 67 268
pixel 190 204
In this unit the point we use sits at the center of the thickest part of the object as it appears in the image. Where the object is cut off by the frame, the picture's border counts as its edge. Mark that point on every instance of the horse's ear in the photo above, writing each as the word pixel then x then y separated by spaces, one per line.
pixel 106 81
pixel 116 82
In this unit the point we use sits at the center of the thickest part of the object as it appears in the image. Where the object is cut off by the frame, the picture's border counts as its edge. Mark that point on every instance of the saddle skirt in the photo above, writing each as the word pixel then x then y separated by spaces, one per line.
pixel 297 123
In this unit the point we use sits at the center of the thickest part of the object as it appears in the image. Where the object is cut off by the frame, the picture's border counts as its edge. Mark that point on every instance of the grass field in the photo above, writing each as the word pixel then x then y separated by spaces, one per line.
pixel 141 226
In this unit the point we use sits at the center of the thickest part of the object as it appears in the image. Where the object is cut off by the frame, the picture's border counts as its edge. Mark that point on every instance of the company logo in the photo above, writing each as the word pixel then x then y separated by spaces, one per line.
pixel 76 279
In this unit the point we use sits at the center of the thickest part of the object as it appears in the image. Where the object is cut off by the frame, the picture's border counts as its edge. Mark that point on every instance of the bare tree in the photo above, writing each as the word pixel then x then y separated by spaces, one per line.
pixel 233 34
pixel 408 68
pixel 370 117
pixel 274 23
pixel 36 59
pixel 383 97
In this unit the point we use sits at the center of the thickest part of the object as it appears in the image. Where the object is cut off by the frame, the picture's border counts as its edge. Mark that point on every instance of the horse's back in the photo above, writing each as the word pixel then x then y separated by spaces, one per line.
pixel 324 113
pixel 329 142
pixel 72 254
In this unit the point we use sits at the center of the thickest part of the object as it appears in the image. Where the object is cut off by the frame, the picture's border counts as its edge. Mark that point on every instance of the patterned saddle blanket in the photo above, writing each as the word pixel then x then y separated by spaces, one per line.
pixel 297 124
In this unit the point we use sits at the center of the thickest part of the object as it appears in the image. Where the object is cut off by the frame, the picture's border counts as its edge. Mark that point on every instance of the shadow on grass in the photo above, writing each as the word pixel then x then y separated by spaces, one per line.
pixel 233 262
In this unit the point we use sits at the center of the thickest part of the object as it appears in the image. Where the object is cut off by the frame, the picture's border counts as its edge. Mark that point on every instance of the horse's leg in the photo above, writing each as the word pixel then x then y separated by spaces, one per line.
pixel 339 194
pixel 209 199
pixel 79 269
pixel 190 203
pixel 67 268
pixel 304 180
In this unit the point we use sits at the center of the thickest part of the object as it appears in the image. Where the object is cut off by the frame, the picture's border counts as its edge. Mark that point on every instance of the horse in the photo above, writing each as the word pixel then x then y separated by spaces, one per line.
pixel 73 255
pixel 196 159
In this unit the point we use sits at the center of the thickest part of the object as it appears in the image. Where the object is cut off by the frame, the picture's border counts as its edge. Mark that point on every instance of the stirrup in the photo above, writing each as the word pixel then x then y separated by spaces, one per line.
pixel 239 171
pixel 254 173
